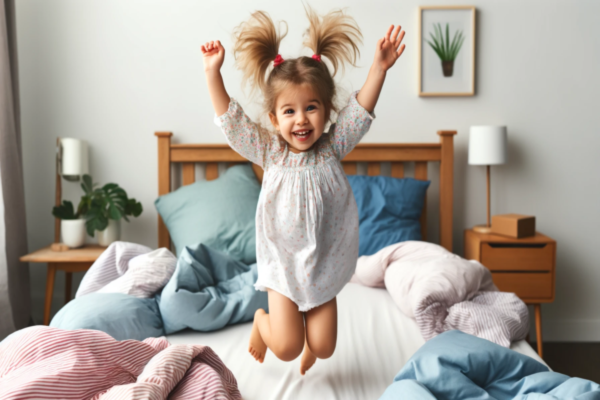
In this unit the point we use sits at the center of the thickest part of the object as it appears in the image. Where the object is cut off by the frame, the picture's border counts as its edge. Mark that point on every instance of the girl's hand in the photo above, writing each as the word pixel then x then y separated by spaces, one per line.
pixel 213 54
pixel 387 48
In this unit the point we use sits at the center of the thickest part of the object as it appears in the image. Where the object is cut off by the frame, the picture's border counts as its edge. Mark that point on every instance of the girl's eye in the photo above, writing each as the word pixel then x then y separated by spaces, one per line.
pixel 308 109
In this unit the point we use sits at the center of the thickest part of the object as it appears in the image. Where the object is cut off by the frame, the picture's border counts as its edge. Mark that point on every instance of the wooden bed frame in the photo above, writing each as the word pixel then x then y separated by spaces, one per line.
pixel 373 154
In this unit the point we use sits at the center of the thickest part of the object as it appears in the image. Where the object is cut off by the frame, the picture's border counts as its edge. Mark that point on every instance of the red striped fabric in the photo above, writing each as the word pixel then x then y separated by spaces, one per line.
pixel 49 363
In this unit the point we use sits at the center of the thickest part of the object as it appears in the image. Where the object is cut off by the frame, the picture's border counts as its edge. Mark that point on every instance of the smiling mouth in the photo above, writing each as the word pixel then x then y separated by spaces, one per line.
pixel 303 135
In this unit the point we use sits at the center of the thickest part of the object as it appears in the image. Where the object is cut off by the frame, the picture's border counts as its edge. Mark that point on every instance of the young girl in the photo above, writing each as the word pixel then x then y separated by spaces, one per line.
pixel 307 220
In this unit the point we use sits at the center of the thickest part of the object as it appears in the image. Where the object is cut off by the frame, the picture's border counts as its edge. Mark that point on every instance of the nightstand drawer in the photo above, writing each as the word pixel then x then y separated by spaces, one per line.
pixel 517 257
pixel 526 286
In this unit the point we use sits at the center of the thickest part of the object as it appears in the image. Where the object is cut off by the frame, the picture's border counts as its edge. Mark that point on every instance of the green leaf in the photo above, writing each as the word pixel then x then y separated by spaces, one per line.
pixel 87 184
pixel 438 52
pixel 95 221
pixel 114 212
pixel 437 47
pixel 109 186
pixel 440 39
pixel 133 208
pixel 459 45
pixel 64 211
pixel 436 41
pixel 447 39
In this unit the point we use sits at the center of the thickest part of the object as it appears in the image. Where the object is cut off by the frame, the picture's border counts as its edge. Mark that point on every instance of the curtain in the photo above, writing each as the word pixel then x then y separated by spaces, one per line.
pixel 15 301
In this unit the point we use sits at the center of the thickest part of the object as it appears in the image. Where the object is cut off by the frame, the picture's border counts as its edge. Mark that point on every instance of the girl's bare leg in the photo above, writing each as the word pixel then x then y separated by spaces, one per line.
pixel 282 330
pixel 321 334
pixel 308 359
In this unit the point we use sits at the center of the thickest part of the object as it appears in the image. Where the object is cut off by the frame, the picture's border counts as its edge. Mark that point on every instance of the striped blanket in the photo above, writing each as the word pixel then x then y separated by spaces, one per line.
pixel 443 291
pixel 48 363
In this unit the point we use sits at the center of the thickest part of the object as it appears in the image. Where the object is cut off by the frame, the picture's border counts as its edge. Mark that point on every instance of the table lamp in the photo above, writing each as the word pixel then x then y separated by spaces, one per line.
pixel 71 163
pixel 487 146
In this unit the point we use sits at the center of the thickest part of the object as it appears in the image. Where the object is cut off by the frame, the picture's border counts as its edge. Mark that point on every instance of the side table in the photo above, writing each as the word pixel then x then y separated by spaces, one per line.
pixel 73 260
pixel 524 266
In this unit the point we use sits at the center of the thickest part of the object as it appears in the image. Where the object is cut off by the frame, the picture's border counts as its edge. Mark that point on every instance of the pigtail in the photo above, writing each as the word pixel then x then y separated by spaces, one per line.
pixel 335 36
pixel 256 46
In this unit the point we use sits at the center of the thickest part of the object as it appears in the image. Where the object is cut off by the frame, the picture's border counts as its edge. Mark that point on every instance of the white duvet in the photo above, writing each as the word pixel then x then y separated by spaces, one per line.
pixel 375 340
pixel 442 291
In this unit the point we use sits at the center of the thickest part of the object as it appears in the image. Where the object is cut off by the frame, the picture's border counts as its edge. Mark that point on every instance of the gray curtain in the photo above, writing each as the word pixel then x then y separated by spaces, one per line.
pixel 15 302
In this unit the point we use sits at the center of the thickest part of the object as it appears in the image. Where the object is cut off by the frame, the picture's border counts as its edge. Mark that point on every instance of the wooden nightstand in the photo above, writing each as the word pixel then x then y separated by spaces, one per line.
pixel 523 266
pixel 74 260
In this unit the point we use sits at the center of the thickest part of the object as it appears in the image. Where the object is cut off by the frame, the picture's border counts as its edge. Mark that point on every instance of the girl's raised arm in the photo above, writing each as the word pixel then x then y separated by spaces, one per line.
pixel 213 55
pixel 242 134
pixel 387 52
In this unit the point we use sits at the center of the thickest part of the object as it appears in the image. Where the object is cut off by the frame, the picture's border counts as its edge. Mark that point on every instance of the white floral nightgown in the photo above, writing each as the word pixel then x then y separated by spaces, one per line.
pixel 306 220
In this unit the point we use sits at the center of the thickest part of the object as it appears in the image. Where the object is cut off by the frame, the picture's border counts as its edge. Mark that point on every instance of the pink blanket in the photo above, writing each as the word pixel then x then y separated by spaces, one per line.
pixel 443 291
pixel 48 363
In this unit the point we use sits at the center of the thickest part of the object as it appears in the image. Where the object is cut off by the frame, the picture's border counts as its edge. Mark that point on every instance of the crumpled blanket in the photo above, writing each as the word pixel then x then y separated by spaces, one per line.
pixel 208 291
pixel 129 268
pixel 443 291
pixel 203 289
pixel 48 363
pixel 455 365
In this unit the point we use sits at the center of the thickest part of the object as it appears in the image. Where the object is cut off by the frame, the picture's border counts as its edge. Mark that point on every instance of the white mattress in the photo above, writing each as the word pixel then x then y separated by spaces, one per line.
pixel 374 341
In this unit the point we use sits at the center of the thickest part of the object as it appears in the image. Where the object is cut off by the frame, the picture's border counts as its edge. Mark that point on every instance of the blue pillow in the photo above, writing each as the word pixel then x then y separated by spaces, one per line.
pixel 218 213
pixel 389 210
pixel 120 315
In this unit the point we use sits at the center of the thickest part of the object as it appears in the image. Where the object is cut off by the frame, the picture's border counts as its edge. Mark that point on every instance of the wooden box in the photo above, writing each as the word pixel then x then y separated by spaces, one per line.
pixel 513 225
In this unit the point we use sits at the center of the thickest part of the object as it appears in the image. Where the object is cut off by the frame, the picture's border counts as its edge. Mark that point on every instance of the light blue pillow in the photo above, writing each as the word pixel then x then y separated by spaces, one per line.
pixel 389 210
pixel 120 315
pixel 218 213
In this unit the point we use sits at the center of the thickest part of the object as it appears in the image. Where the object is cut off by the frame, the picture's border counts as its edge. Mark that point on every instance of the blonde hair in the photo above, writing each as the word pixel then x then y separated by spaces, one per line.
pixel 335 37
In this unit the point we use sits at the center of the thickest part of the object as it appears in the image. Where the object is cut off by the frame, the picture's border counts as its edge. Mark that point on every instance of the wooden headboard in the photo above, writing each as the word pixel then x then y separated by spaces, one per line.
pixel 372 154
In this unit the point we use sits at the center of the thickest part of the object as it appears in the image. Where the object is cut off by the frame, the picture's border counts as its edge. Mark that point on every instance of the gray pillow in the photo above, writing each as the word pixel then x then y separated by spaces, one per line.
pixel 218 213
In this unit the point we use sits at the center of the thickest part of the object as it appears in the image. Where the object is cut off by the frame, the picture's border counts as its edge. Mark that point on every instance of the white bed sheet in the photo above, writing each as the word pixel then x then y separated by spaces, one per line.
pixel 374 341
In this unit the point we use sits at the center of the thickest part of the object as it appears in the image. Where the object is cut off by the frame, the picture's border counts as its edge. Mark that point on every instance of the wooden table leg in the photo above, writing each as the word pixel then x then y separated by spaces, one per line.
pixel 68 281
pixel 538 328
pixel 49 291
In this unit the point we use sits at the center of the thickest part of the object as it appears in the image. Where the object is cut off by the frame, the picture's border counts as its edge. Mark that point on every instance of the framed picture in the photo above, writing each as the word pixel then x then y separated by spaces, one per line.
pixel 446 51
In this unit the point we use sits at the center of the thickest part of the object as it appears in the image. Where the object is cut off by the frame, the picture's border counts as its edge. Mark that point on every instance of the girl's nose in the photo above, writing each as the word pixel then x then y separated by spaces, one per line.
pixel 302 118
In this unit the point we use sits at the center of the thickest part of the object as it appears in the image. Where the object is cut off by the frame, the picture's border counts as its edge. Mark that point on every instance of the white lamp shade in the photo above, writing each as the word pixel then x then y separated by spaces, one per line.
pixel 487 145
pixel 74 158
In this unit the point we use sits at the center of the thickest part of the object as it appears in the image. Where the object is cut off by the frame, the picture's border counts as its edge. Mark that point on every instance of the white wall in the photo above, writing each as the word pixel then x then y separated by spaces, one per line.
pixel 114 72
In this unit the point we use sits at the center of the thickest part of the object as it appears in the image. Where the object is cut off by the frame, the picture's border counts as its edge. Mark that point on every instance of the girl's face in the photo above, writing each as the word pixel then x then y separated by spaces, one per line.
pixel 300 117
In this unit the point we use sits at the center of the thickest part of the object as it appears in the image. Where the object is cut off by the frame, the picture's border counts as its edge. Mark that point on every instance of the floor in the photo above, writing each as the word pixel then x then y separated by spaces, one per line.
pixel 581 360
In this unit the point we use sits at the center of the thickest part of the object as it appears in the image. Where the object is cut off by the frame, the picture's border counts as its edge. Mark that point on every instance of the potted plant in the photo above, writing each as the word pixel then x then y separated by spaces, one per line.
pixel 446 50
pixel 72 227
pixel 102 209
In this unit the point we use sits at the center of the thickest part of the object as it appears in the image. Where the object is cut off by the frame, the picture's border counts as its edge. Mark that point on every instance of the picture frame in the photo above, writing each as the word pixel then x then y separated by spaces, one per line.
pixel 446 51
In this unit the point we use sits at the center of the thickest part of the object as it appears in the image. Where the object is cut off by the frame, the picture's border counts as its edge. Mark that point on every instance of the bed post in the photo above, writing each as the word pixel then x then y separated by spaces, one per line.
pixel 446 187
pixel 164 181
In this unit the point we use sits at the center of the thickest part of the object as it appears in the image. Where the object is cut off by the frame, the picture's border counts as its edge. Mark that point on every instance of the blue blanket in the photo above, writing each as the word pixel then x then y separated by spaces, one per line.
pixel 208 290
pixel 455 365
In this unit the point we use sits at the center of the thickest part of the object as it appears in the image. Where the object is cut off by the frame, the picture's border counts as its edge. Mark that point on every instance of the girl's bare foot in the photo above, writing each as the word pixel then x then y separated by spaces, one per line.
pixel 308 359
pixel 257 346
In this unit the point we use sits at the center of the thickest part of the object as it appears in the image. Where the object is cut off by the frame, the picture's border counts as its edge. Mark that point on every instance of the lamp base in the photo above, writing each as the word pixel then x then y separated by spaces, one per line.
pixel 482 229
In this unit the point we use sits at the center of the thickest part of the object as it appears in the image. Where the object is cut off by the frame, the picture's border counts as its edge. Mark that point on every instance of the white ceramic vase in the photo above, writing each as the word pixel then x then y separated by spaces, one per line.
pixel 112 233
pixel 73 232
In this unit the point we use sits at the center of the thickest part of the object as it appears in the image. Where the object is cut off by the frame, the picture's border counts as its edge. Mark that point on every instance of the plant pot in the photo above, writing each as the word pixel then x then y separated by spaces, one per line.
pixel 448 67
pixel 112 233
pixel 73 232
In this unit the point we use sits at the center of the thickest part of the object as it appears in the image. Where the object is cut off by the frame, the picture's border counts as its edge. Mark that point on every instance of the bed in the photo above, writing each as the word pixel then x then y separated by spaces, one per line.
pixel 374 338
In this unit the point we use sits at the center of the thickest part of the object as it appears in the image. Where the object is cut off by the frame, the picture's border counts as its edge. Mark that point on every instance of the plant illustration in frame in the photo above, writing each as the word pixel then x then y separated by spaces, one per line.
pixel 445 49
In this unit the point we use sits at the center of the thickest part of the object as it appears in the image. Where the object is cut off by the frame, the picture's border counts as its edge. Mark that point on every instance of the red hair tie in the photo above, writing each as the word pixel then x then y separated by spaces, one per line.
pixel 278 60
pixel 317 57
